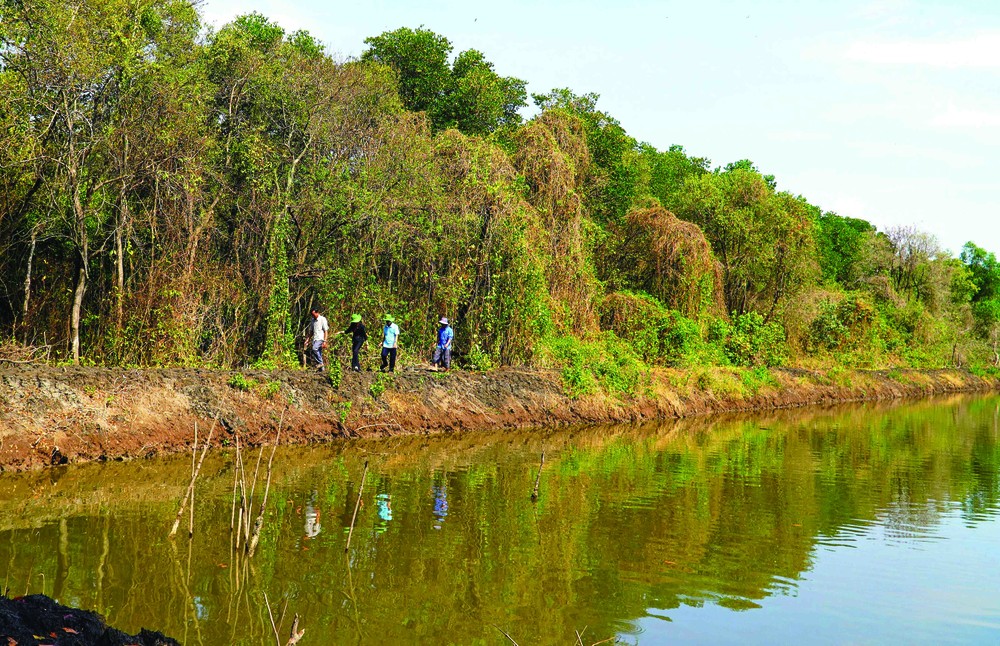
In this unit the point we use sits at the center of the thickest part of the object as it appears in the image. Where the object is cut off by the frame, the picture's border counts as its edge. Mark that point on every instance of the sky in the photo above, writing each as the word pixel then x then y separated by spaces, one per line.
pixel 886 110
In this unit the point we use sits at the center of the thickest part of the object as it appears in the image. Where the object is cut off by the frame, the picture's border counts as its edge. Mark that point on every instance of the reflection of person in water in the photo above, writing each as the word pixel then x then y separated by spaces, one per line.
pixel 312 517
pixel 384 503
pixel 440 504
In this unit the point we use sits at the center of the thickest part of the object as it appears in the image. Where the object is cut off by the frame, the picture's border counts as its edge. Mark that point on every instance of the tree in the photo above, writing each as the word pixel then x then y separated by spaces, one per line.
pixel 614 184
pixel 77 65
pixel 420 57
pixel 668 170
pixel 764 240
pixel 479 100
pixel 468 95
pixel 840 244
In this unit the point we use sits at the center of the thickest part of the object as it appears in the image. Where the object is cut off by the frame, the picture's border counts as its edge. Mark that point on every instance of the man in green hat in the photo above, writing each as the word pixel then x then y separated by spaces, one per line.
pixel 390 341
pixel 358 337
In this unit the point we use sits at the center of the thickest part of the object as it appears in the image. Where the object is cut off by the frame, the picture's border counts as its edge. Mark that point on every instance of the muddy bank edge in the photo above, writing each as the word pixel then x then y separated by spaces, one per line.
pixel 53 415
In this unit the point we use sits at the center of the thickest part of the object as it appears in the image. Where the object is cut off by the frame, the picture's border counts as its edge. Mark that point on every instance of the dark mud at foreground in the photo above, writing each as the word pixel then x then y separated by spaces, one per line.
pixel 51 416
pixel 861 524
pixel 37 619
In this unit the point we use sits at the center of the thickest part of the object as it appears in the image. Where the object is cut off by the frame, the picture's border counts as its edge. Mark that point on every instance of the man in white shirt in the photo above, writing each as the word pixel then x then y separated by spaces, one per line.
pixel 320 327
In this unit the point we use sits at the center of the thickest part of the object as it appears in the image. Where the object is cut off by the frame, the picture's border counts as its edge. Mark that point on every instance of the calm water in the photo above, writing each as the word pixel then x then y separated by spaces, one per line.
pixel 862 525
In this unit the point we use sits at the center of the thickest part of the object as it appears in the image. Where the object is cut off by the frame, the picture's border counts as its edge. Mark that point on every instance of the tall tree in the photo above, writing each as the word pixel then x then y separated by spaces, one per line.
pixel 468 94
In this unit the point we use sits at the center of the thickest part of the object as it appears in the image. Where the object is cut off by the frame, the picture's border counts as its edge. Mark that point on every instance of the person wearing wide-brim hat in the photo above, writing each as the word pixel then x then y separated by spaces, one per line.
pixel 390 343
pixel 442 351
pixel 358 337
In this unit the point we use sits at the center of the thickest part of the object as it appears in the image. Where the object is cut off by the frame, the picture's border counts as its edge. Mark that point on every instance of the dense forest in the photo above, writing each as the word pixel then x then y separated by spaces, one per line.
pixel 172 194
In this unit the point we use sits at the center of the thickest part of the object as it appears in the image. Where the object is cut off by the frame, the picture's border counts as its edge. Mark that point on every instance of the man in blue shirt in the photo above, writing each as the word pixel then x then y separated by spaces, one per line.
pixel 442 351
pixel 390 341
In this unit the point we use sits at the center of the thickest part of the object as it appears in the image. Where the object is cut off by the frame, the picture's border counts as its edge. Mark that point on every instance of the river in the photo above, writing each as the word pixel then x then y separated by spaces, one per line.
pixel 867 524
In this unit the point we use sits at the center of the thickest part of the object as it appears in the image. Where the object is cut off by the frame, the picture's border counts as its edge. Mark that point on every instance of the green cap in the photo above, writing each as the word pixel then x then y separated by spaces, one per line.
pixel 355 318
pixel 389 318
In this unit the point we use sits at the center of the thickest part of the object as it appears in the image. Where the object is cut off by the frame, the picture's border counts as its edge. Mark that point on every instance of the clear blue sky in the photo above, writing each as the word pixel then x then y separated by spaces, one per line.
pixel 886 110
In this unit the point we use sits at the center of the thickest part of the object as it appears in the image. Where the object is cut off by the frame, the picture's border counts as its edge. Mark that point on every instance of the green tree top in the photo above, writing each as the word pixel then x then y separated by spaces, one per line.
pixel 468 95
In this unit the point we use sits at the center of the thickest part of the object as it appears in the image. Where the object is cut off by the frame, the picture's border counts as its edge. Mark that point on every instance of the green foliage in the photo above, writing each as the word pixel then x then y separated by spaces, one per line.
pixel 658 335
pixel 757 378
pixel 468 95
pixel 380 382
pixel 476 359
pixel 840 245
pixel 764 240
pixel 238 381
pixel 270 389
pixel 749 341
pixel 420 57
pixel 343 410
pixel 607 364
pixel 334 372
pixel 668 171
pixel 842 325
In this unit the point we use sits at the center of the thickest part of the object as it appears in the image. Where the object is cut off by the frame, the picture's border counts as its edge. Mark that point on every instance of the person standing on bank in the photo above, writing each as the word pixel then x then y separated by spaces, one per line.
pixel 390 341
pixel 320 327
pixel 442 351
pixel 358 337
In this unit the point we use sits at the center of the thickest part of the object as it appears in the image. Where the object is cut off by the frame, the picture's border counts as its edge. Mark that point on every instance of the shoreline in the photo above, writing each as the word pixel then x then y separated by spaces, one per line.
pixel 66 415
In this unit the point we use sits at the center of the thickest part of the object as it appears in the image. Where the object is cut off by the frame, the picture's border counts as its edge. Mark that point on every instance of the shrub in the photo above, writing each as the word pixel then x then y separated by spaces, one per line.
pixel 476 359
pixel 240 382
pixel 381 381
pixel 655 333
pixel 756 378
pixel 607 363
pixel 749 341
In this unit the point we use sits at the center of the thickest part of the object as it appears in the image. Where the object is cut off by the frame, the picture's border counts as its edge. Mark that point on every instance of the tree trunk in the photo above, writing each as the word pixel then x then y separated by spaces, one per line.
pixel 27 284
pixel 120 263
pixel 81 287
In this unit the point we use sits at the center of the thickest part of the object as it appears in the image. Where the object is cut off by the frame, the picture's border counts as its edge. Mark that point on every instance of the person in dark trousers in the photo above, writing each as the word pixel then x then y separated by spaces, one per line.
pixel 358 337
pixel 390 343
pixel 442 351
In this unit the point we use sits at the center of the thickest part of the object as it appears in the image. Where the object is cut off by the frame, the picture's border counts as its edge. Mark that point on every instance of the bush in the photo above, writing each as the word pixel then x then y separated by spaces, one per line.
pixel 756 378
pixel 655 333
pixel 381 381
pixel 844 325
pixel 239 382
pixel 749 341
pixel 476 359
pixel 607 363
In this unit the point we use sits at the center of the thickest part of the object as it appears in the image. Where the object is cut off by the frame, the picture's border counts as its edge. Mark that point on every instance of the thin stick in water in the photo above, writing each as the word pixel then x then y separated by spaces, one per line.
pixel 194 476
pixel 236 481
pixel 538 478
pixel 505 634
pixel 259 523
pixel 277 639
pixel 356 505
pixel 194 449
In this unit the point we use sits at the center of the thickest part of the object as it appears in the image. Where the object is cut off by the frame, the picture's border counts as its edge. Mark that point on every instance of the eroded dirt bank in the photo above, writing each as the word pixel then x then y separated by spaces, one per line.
pixel 52 415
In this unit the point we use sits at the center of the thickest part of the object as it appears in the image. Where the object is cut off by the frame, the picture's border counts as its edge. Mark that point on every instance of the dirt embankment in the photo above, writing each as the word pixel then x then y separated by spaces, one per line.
pixel 51 415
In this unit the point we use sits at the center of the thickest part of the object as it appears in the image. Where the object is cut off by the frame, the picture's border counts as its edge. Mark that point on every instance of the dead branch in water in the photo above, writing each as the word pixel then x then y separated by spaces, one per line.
pixel 506 635
pixel 259 523
pixel 356 505
pixel 189 494
pixel 538 478
pixel 296 633
pixel 277 640
pixel 236 482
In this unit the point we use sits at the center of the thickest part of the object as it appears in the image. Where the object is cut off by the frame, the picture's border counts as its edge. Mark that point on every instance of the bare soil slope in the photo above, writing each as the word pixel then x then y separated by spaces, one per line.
pixel 54 415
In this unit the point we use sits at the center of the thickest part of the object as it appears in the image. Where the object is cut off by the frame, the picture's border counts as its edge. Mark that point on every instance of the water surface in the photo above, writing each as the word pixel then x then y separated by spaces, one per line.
pixel 860 525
